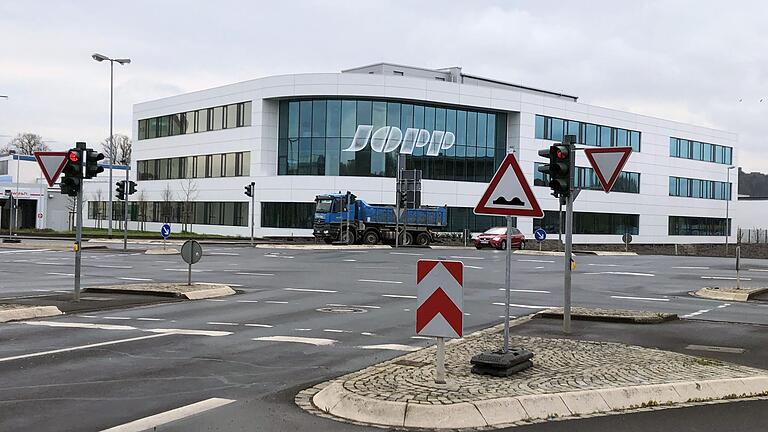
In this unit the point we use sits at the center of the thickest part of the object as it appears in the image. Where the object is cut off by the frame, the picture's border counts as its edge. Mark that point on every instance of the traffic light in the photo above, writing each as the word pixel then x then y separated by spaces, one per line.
pixel 131 187
pixel 72 179
pixel 402 197
pixel 249 189
pixel 92 168
pixel 121 190
pixel 558 169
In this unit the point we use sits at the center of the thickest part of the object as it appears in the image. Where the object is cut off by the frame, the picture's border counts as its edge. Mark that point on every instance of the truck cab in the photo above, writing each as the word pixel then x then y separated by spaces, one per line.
pixel 332 213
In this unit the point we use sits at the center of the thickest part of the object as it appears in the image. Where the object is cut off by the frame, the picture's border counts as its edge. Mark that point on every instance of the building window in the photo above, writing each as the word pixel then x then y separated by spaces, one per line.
pixel 202 120
pixel 312 136
pixel 461 218
pixel 551 128
pixel 287 214
pixel 4 167
pixel 187 167
pixel 193 213
pixel 698 226
pixel 399 73
pixel 440 78
pixel 592 223
pixel 586 178
pixel 696 150
pixel 697 188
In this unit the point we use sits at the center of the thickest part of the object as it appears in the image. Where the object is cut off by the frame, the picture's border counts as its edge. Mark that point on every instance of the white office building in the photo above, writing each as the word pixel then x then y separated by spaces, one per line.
pixel 293 136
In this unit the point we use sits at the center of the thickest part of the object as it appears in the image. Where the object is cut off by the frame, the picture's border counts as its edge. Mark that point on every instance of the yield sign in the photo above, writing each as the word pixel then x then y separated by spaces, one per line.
pixel 608 163
pixel 508 193
pixel 440 298
pixel 51 163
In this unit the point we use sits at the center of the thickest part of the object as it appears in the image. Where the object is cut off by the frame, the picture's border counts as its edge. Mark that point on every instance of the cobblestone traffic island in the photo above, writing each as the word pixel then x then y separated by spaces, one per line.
pixel 569 378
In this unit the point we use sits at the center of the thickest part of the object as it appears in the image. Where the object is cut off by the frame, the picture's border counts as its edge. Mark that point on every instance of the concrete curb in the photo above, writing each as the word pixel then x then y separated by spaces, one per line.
pixel 537 253
pixel 714 293
pixel 214 290
pixel 23 313
pixel 169 251
pixel 655 318
pixel 341 403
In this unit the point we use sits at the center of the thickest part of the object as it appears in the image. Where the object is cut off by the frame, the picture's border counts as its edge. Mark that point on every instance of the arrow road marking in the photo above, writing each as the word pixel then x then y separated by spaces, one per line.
pixel 297 339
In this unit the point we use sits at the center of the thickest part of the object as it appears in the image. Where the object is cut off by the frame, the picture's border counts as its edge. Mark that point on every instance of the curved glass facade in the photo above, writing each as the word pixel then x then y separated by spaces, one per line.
pixel 313 134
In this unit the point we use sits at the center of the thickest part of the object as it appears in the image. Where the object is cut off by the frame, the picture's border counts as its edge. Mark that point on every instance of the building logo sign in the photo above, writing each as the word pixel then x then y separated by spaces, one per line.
pixel 389 138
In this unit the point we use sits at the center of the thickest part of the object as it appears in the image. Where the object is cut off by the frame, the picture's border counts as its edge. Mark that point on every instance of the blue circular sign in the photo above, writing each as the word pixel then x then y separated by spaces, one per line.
pixel 540 235
pixel 165 231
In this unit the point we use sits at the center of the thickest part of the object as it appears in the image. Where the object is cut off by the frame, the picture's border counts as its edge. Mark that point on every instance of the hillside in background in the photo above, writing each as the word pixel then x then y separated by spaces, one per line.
pixel 753 184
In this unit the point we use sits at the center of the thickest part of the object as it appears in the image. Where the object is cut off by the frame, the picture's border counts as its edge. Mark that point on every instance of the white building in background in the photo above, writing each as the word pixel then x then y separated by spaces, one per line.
pixel 289 134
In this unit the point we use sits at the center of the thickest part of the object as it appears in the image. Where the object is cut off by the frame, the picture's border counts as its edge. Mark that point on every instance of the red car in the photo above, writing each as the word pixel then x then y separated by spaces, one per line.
pixel 497 238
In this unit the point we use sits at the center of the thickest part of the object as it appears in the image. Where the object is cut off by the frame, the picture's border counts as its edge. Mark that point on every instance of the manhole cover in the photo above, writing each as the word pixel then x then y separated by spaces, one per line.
pixel 342 309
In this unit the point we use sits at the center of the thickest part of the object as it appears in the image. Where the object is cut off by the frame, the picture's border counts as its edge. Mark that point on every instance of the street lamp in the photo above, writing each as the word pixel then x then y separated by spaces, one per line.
pixel 727 203
pixel 122 61
pixel 14 212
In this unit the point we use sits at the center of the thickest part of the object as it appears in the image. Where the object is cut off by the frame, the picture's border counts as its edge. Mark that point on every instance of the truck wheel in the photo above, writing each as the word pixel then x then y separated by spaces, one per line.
pixel 423 239
pixel 406 239
pixel 348 237
pixel 371 237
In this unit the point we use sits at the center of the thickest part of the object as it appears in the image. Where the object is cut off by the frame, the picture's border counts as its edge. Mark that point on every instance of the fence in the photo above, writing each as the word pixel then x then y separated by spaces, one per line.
pixel 752 235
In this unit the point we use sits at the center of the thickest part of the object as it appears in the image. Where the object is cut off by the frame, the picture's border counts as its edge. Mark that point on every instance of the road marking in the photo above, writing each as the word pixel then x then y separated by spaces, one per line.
pixel 259 325
pixel 698 312
pixel 337 331
pixel 115 318
pixel 538 267
pixel 729 350
pixel 275 302
pixel 224 253
pixel 186 270
pixel 42 290
pixel 254 274
pixel 390 347
pixel 691 268
pixel 725 278
pixel 156 420
pixel 466 257
pixel 367 334
pixel 360 306
pixel 350 260
pixel 309 290
pixel 399 296
pixel 604 265
pixel 472 267
pixel 48 263
pixel 376 268
pixel 526 291
pixel 303 329
pixel 641 298
pixel 406 253
pixel 297 339
pixel 24 251
pixel 149 319
pixel 278 256
pixel 422 337
pixel 60 274
pixel 80 325
pixel 190 332
pixel 759 270
pixel 135 279
pixel 113 266
pixel 536 260
pixel 379 281
pixel 724 305
pixel 82 347
pixel 523 306
pixel 222 323
pixel 621 273
pixel 215 300
pixel 247 301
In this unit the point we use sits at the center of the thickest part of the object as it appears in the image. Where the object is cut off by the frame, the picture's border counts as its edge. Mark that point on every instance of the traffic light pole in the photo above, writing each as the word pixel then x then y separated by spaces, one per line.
pixel 125 204
pixel 253 210
pixel 567 259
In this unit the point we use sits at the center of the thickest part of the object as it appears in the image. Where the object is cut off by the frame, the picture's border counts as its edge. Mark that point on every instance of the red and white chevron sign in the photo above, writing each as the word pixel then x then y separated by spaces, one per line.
pixel 440 298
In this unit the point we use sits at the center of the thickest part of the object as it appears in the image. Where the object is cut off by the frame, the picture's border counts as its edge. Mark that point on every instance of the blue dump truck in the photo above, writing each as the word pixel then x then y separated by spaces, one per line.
pixel 344 218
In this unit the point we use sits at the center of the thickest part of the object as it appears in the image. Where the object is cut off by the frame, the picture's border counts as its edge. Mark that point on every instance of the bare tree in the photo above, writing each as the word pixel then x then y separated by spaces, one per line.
pixel 141 201
pixel 188 196
pixel 26 143
pixel 96 199
pixel 123 146
pixel 167 204
pixel 72 208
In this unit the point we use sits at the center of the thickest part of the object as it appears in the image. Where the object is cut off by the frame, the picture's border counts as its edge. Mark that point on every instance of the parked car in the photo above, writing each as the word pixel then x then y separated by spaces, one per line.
pixel 497 238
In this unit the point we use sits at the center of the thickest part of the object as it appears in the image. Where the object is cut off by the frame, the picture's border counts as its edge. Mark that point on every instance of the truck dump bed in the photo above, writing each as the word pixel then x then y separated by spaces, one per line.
pixel 424 216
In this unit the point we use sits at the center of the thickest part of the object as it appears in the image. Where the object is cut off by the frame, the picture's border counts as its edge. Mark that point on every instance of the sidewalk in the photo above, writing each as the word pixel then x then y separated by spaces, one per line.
pixel 570 378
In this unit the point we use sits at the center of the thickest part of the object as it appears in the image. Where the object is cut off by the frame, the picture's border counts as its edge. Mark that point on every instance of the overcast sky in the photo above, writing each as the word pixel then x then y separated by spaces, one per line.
pixel 699 62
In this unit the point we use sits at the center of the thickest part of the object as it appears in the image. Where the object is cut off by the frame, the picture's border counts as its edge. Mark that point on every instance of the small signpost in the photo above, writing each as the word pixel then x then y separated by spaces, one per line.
pixel 738 267
pixel 540 235
pixel 191 252
pixel 165 231
pixel 440 304
pixel 627 239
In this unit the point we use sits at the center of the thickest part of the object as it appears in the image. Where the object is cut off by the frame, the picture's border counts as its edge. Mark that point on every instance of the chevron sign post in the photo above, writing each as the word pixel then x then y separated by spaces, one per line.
pixel 440 304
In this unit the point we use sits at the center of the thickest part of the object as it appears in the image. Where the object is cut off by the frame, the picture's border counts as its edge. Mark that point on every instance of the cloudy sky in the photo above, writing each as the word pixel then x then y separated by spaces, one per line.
pixel 701 62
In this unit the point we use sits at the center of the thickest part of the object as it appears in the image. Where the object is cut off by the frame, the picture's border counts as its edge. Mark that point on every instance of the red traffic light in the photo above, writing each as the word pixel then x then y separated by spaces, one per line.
pixel 73 157
pixel 561 154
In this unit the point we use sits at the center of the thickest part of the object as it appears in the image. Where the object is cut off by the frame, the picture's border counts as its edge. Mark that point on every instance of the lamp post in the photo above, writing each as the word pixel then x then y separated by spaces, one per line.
pixel 122 61
pixel 14 213
pixel 727 205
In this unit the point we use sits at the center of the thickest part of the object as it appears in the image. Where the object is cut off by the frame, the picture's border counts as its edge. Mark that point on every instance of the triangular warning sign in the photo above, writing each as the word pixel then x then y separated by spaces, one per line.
pixel 508 193
pixel 608 163
pixel 51 163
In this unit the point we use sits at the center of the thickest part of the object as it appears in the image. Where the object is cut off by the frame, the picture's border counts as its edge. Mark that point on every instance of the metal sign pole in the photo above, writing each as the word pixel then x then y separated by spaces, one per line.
pixel 440 359
pixel 78 239
pixel 189 273
pixel 508 282
pixel 125 203
pixel 738 267
pixel 567 258
pixel 253 209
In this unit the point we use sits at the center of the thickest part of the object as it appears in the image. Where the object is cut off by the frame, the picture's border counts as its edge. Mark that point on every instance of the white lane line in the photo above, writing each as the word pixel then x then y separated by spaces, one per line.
pixel 538 267
pixel 725 278
pixel 87 316
pixel 135 279
pixel 23 251
pixel 640 298
pixel 149 319
pixel 724 305
pixel 698 312
pixel 399 296
pixel 302 329
pixel 297 339
pixel 222 323
pixel 422 337
pixel 621 273
pixel 406 253
pixel 758 270
pixel 275 302
pixel 527 291
pixel 60 274
pixel 185 270
pixel 215 300
pixel 79 325
pixel 350 260
pixel 42 290
pixel 160 419
pixel 523 306
pixel 536 260
pixel 278 256
pixel 82 347
pixel 379 281
pixel 360 306
pixel 367 334
pixel 113 266
pixel 466 257
pixel 259 325
pixel 604 265
pixel 336 331
pixel 390 347
pixel 247 301
pixel 115 318
pixel 49 263
pixel 190 332
pixel 254 274
pixel 691 268
pixel 309 290
pixel 224 253
pixel 472 267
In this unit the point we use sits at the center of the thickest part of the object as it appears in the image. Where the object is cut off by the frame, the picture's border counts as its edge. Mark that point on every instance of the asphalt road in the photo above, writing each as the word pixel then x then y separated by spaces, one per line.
pixel 97 370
